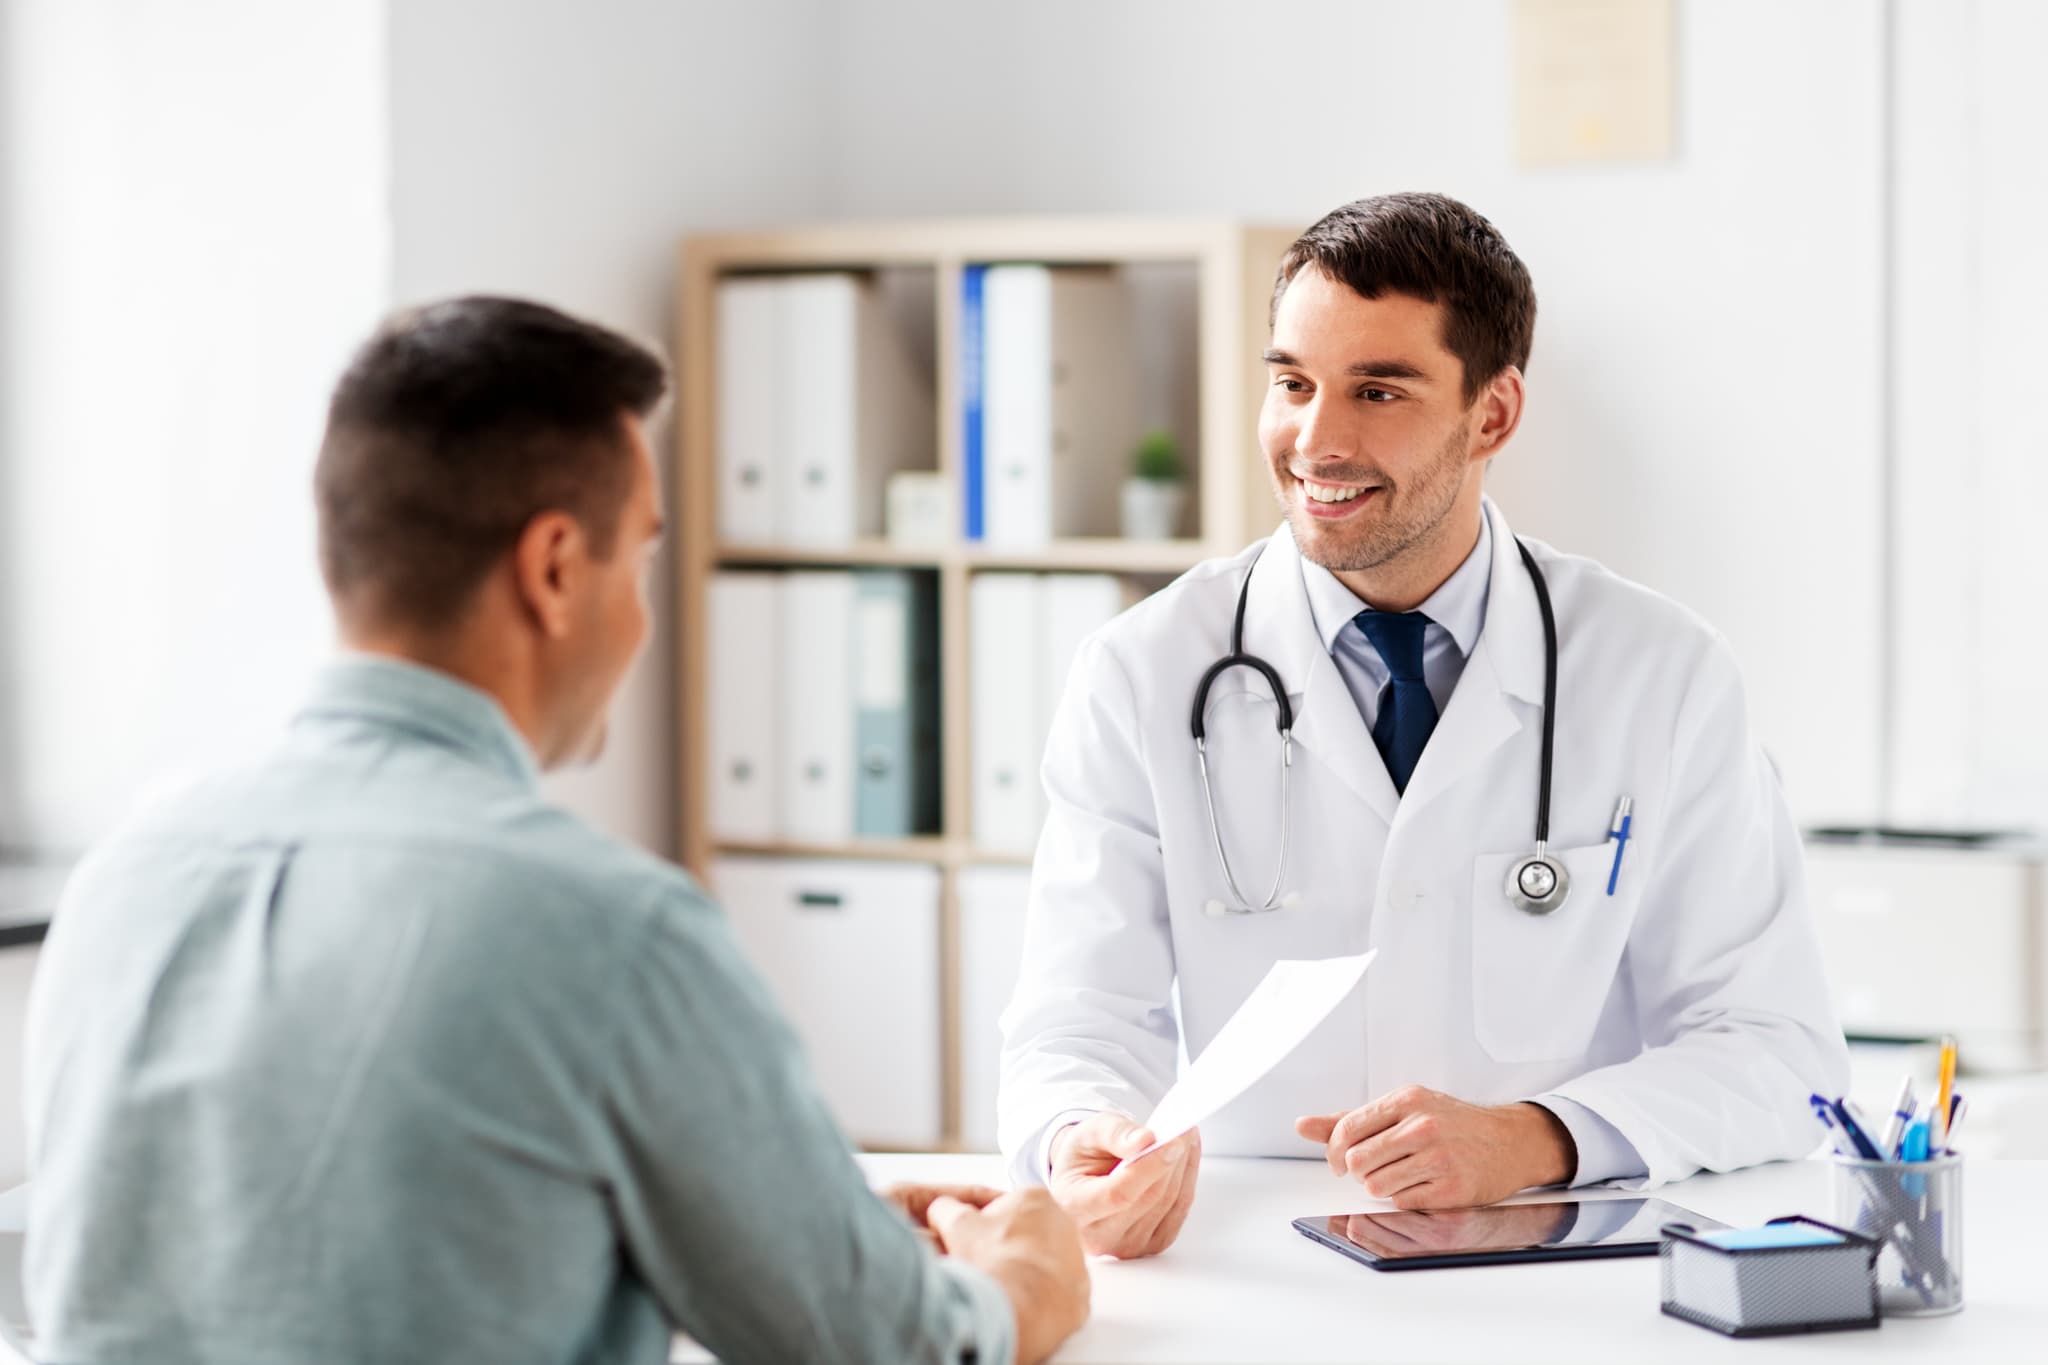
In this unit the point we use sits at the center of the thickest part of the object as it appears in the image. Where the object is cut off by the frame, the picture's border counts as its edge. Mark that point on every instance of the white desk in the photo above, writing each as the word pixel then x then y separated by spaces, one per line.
pixel 1242 1286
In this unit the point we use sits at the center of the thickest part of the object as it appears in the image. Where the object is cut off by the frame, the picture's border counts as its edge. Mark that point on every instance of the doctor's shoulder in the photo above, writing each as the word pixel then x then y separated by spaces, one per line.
pixel 1630 627
pixel 1189 616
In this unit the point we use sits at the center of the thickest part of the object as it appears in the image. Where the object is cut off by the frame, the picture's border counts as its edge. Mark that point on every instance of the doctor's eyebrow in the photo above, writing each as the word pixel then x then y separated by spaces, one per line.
pixel 1363 369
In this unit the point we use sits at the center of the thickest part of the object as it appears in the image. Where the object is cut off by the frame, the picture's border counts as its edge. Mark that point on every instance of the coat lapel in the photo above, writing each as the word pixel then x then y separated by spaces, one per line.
pixel 1501 688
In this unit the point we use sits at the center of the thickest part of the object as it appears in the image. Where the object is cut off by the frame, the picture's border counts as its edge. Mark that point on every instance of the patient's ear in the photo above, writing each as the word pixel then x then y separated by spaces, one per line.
pixel 549 564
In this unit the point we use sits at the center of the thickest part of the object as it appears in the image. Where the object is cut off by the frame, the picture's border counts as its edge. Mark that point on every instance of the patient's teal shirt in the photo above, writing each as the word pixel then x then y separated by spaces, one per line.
pixel 366 1052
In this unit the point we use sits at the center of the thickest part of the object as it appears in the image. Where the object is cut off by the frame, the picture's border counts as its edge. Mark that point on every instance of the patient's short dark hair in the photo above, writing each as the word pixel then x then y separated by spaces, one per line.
pixel 453 427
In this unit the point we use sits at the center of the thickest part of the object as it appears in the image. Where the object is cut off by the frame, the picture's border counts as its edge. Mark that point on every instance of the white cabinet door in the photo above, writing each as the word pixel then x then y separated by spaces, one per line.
pixel 851 951
pixel 992 901
pixel 1922 942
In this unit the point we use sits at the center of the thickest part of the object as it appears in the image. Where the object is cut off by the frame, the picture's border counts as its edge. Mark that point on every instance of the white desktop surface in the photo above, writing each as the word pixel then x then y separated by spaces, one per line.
pixel 1242 1286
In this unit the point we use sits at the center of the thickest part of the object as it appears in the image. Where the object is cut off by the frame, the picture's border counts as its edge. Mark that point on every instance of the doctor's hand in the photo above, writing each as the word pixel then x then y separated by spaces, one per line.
pixel 1427 1150
pixel 1137 1211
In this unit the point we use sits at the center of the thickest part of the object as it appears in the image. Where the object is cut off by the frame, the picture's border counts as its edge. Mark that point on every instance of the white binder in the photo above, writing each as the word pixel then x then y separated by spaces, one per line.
pixel 817 707
pixel 743 642
pixel 855 409
pixel 992 904
pixel 1072 606
pixel 749 408
pixel 851 953
pixel 1004 711
pixel 1059 402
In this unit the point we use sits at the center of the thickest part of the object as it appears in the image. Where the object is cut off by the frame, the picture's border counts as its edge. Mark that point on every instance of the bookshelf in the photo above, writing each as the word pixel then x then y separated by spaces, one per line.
pixel 1230 266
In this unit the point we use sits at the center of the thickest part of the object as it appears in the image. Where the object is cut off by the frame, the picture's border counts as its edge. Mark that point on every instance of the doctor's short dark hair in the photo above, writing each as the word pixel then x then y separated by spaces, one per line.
pixel 1433 248
pixel 453 427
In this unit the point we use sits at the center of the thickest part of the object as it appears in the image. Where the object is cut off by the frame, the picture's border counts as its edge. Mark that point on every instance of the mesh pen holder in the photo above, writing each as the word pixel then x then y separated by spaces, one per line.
pixel 1916 1209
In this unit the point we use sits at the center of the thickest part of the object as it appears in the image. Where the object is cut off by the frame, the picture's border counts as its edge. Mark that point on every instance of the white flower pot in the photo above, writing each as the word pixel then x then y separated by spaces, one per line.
pixel 1152 509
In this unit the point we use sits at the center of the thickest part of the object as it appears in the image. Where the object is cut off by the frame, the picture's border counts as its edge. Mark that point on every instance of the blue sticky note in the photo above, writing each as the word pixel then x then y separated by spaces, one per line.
pixel 1771 1235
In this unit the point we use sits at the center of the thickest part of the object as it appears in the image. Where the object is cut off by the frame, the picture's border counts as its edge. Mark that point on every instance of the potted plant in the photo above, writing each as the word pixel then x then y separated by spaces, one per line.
pixel 1156 488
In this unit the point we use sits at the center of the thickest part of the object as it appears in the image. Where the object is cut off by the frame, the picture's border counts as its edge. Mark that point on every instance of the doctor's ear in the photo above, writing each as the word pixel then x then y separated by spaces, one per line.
pixel 1499 412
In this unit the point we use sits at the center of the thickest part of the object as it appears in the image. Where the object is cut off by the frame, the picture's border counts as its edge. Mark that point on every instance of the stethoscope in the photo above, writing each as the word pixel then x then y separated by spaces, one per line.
pixel 1537 883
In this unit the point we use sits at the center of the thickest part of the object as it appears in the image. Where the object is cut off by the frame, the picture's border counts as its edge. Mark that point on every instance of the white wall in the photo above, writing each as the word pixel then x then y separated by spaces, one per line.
pixel 1704 399
pixel 195 237
pixel 559 151
pixel 1706 395
pixel 1970 280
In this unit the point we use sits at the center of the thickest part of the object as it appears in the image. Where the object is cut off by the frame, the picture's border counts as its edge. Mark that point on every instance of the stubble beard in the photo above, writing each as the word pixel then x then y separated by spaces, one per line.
pixel 1412 514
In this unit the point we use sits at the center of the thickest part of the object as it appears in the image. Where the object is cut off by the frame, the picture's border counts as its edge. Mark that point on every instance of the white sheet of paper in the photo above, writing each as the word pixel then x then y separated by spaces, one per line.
pixel 1274 1019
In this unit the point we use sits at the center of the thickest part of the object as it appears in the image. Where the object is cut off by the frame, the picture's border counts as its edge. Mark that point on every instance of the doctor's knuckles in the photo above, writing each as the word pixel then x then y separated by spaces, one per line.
pixel 1425 1150
pixel 1126 1211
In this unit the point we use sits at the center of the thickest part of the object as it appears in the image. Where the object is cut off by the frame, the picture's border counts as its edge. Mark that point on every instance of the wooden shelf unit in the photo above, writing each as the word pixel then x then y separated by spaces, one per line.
pixel 1233 266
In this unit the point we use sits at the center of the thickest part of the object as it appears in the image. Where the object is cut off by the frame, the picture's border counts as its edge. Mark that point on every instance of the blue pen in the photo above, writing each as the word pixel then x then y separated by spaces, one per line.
pixel 1618 832
pixel 1826 1115
pixel 1914 1147
pixel 1865 1148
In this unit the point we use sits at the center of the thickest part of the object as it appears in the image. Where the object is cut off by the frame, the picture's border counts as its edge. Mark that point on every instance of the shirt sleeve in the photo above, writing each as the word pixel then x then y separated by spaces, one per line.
pixel 1091 1026
pixel 738 1200
pixel 1604 1154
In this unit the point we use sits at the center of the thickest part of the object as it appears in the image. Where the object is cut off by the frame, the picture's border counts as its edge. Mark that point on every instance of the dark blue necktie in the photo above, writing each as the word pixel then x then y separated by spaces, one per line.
pixel 1407 711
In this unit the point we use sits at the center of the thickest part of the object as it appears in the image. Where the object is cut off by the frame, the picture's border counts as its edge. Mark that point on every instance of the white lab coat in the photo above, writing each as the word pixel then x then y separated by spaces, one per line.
pixel 1689 1009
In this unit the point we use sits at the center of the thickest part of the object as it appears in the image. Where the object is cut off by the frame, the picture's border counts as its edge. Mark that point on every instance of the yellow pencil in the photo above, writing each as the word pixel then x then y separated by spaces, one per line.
pixel 1948 1085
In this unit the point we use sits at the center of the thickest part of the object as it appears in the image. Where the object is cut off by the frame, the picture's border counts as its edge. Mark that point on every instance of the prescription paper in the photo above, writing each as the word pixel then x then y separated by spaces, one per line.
pixel 1274 1019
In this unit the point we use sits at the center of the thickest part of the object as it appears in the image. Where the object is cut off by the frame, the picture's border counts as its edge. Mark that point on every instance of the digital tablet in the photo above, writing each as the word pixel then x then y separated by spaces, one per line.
pixel 1558 1230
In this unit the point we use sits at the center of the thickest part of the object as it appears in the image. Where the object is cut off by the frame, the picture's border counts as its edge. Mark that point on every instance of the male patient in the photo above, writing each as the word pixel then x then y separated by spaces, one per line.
pixel 366 1052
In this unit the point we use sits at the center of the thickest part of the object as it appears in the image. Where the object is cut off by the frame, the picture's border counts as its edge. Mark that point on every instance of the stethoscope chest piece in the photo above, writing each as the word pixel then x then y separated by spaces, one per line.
pixel 1538 883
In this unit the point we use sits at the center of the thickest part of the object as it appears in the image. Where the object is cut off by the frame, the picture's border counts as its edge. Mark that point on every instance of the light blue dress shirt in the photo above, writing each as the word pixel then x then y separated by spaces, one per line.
pixel 1457 613
pixel 367 1052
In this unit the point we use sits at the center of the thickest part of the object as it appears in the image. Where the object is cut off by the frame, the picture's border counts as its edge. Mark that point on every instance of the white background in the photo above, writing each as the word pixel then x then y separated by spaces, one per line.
pixel 206 204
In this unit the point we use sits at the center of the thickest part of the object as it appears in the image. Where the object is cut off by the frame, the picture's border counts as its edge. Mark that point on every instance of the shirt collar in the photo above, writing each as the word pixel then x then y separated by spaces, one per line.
pixel 1458 604
pixel 432 705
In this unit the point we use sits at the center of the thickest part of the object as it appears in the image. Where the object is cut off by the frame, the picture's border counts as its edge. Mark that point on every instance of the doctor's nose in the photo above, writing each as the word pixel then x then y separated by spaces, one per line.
pixel 1324 432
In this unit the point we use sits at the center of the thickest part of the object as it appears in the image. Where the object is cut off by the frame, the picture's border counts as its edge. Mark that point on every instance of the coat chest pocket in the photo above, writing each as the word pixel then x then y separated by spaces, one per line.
pixel 1539 982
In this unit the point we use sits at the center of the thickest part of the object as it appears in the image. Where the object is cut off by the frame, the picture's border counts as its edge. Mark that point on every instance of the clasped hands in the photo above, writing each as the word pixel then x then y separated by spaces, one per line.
pixel 1419 1148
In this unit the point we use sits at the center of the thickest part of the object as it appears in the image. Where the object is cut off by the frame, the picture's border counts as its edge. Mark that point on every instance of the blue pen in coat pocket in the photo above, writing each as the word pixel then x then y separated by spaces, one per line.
pixel 1618 831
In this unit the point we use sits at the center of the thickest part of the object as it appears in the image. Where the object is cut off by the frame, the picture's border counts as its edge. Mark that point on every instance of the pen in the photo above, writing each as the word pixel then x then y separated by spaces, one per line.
pixel 1914 1146
pixel 1618 831
pixel 1956 1109
pixel 1948 1085
pixel 1902 1114
pixel 1826 1115
pixel 1865 1148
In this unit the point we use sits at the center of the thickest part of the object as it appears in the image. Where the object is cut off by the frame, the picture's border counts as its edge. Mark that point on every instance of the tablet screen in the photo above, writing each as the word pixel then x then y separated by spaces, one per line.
pixel 1557 1230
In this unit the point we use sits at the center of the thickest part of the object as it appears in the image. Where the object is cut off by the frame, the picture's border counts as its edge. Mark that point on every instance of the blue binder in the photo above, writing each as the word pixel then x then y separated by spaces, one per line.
pixel 971 372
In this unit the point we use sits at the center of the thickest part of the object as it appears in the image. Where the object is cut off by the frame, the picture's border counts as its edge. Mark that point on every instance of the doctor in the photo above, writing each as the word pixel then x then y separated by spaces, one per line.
pixel 1610 1009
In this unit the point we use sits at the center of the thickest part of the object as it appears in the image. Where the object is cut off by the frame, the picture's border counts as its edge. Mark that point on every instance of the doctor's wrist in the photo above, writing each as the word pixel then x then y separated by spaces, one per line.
pixel 1552 1153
